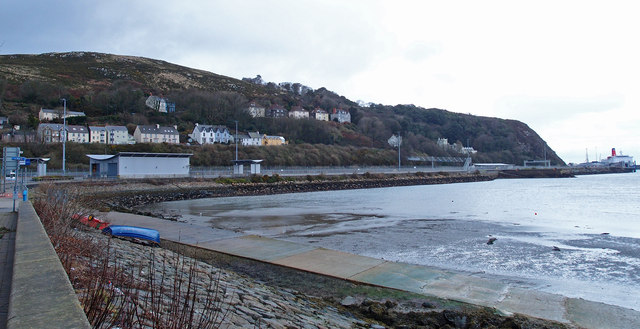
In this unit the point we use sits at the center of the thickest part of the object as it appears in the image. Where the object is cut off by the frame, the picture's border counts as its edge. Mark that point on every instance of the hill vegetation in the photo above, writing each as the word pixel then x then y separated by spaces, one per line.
pixel 112 89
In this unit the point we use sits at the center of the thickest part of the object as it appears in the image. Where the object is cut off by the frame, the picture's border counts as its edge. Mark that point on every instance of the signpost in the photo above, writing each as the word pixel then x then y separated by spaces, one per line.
pixel 9 164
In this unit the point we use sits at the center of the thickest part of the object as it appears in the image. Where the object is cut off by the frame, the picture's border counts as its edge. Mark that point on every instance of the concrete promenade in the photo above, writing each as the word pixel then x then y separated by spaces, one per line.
pixel 424 280
pixel 40 294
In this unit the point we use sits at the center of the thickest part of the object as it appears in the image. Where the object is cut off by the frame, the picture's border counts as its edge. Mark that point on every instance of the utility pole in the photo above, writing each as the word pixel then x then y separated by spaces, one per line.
pixel 399 142
pixel 236 140
pixel 64 137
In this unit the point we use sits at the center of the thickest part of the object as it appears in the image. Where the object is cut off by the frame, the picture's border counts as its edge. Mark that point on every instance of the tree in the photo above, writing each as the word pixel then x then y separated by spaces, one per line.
pixel 3 87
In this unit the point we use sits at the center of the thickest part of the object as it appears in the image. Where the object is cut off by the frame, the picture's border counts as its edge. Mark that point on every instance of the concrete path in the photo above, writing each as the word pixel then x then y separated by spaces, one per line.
pixel 7 250
pixel 424 280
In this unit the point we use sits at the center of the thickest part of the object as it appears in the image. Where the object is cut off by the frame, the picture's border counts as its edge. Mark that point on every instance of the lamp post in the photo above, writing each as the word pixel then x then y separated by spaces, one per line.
pixel 64 137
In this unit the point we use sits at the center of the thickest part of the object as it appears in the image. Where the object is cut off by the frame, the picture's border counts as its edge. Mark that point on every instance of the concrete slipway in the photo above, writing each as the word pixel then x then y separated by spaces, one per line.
pixel 424 280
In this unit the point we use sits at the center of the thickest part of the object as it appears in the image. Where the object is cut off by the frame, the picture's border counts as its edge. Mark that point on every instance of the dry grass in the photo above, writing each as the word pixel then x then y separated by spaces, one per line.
pixel 166 293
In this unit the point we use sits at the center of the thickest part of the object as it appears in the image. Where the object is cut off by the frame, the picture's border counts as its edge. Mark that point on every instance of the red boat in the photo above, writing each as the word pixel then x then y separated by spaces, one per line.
pixel 91 221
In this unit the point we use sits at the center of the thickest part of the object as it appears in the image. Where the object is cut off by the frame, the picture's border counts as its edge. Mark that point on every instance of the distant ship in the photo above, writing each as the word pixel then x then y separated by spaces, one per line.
pixel 613 161
pixel 622 161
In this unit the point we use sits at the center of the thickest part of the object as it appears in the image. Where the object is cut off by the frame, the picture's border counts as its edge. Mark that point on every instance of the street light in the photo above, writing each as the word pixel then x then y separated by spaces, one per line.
pixel 64 136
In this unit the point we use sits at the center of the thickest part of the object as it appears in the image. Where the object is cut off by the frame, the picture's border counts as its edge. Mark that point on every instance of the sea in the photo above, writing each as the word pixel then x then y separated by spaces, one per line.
pixel 579 237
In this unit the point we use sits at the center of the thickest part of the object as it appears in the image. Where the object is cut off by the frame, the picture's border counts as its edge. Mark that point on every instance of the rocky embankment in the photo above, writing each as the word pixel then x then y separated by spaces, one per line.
pixel 125 197
pixel 243 301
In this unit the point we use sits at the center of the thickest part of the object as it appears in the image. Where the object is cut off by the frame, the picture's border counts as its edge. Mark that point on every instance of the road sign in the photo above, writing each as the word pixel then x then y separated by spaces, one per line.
pixel 7 161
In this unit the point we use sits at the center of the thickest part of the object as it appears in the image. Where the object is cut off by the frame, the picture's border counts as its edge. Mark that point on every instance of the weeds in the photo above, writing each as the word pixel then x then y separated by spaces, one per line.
pixel 115 290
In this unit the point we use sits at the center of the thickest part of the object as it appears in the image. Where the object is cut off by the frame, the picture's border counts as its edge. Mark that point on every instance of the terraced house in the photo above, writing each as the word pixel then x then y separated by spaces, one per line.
pixel 208 134
pixel 97 134
pixel 77 134
pixel 50 132
pixel 156 134
pixel 118 135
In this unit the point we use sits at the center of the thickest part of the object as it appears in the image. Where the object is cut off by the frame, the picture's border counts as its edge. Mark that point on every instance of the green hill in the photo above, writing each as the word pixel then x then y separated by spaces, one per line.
pixel 111 89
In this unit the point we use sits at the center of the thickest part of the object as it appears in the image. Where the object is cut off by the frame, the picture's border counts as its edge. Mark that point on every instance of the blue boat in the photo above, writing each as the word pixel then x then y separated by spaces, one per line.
pixel 133 232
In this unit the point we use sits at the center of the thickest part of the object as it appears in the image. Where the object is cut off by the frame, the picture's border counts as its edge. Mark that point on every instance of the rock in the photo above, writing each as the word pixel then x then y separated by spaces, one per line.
pixel 556 248
pixel 428 305
pixel 348 301
pixel 492 240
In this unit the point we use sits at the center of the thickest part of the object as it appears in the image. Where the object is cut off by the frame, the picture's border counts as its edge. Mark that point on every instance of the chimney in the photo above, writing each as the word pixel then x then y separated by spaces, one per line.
pixel 613 152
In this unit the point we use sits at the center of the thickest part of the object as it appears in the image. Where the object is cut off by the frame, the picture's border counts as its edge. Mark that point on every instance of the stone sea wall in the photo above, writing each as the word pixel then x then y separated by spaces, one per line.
pixel 125 199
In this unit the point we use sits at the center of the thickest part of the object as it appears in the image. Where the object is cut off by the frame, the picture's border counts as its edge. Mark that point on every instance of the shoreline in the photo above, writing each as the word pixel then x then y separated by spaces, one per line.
pixel 135 194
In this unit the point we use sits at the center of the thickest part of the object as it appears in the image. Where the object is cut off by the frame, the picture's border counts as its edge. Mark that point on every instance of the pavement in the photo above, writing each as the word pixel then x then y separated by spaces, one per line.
pixel 429 281
pixel 8 221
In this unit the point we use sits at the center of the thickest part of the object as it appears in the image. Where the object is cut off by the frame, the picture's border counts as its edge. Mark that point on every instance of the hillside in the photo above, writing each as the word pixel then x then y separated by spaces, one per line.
pixel 111 89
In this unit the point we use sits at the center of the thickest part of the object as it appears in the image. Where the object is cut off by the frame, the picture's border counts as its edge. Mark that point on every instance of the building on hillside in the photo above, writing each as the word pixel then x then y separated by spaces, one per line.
pixel 208 134
pixel 251 139
pixel 50 132
pixel 18 136
pixel 160 104
pixel 320 114
pixel 77 134
pixel 443 143
pixel 276 111
pixel 297 112
pixel 97 135
pixel 468 150
pixel 48 115
pixel 139 165
pixel 156 134
pixel 340 115
pixel 117 135
pixel 273 140
pixel 256 110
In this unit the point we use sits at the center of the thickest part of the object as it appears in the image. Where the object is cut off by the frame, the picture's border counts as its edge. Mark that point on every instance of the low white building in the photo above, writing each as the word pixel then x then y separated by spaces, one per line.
pixel 156 134
pixel 139 165
pixel 208 134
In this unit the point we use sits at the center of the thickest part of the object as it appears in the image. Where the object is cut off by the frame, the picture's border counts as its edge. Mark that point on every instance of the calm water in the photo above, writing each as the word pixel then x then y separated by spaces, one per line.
pixel 594 220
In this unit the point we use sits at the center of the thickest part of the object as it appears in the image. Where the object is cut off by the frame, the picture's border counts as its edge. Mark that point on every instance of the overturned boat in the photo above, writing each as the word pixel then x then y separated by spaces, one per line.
pixel 134 233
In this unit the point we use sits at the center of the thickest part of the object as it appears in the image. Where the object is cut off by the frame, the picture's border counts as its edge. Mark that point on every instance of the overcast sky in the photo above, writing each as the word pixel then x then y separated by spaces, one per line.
pixel 568 69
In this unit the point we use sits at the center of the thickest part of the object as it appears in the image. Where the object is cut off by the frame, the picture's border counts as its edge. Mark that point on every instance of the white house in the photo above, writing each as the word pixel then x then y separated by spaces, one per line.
pixel 48 115
pixel 117 134
pixel 156 134
pixel 341 116
pixel 97 135
pixel 256 110
pixel 160 104
pixel 208 134
pixel 251 139
pixel 77 134
pixel 297 112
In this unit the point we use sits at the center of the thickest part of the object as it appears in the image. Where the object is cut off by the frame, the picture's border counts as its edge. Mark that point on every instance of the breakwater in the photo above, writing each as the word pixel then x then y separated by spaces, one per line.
pixel 128 199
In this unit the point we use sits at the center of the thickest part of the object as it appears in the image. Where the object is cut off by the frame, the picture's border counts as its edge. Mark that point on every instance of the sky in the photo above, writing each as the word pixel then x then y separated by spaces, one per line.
pixel 569 69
